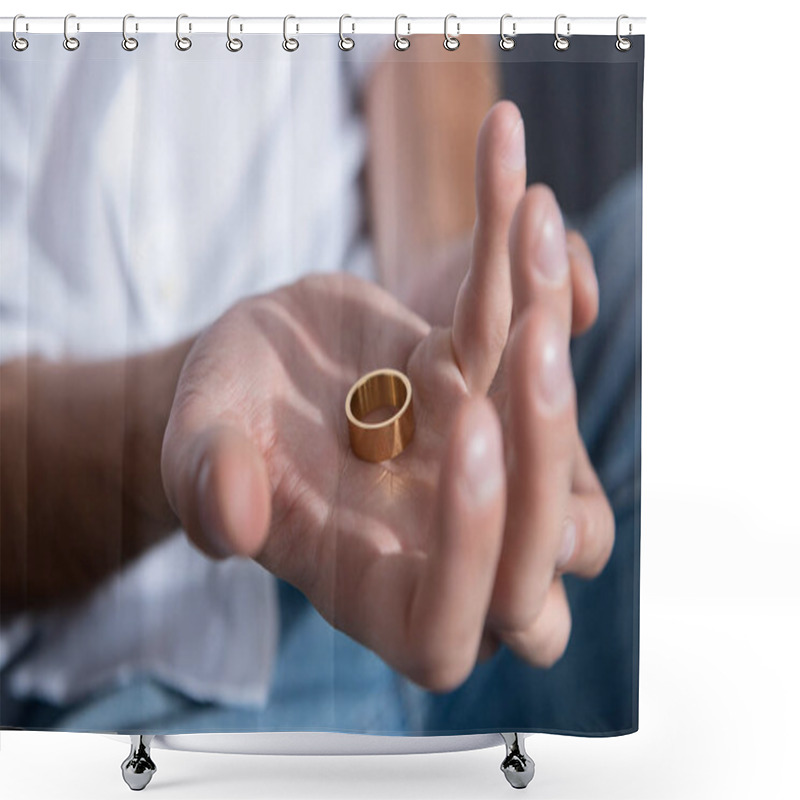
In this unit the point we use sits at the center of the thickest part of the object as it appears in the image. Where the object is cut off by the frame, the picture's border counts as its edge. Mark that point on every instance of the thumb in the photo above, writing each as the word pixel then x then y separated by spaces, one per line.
pixel 217 483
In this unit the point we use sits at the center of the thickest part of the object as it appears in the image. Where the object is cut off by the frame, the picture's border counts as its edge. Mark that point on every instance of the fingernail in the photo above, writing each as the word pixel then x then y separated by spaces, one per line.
pixel 483 468
pixel 568 536
pixel 208 519
pixel 553 383
pixel 551 259
pixel 514 150
pixel 588 275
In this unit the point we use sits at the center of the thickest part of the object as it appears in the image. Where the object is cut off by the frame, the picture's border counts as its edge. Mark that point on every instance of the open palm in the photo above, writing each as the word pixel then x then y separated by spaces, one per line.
pixel 421 557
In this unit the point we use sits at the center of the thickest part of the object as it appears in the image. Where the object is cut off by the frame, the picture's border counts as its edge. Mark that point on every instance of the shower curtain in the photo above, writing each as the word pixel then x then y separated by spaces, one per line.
pixel 203 250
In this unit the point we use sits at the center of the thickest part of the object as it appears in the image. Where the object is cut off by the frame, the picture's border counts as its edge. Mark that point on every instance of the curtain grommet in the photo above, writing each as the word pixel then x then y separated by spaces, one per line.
pixel 129 43
pixel 622 44
pixel 507 42
pixel 561 43
pixel 289 44
pixel 451 42
pixel 71 43
pixel 183 43
pixel 346 43
pixel 17 42
pixel 233 44
pixel 401 43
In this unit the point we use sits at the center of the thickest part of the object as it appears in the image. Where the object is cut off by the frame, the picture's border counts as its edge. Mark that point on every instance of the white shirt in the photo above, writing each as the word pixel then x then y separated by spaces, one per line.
pixel 141 194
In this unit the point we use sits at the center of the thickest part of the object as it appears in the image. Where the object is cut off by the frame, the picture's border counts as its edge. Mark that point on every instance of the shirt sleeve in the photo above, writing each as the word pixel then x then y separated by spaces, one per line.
pixel 20 332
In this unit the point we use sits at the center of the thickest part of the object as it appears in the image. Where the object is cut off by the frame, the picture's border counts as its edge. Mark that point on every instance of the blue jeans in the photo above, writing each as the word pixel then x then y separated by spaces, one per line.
pixel 323 680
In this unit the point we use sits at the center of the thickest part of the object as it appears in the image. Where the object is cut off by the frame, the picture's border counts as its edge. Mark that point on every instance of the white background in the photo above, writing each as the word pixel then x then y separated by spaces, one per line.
pixel 720 704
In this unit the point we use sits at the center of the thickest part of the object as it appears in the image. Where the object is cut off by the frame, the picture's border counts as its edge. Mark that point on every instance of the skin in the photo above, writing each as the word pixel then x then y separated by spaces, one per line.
pixel 458 543
pixel 81 492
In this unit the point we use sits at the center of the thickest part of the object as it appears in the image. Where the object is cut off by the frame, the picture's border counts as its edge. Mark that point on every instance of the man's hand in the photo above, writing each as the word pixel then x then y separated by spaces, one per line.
pixel 529 286
pixel 462 538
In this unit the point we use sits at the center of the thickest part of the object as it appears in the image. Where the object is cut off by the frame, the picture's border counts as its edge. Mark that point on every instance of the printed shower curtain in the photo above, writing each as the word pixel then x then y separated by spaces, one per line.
pixel 203 251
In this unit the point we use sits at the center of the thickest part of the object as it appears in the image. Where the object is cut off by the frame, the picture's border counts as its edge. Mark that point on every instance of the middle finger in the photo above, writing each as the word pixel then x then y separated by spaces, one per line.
pixel 541 269
pixel 540 418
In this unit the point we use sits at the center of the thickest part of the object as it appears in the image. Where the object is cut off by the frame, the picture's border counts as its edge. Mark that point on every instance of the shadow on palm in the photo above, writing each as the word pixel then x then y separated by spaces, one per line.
pixel 354 536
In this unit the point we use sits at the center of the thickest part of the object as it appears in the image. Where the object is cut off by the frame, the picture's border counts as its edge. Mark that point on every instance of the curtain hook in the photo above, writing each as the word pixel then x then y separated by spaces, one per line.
pixel 290 45
pixel 451 42
pixel 345 42
pixel 622 44
pixel 234 45
pixel 70 42
pixel 18 43
pixel 400 42
pixel 561 43
pixel 128 42
pixel 507 42
pixel 181 42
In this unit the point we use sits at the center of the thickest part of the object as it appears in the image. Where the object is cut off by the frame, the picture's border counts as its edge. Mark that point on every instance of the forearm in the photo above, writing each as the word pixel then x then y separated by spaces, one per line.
pixel 80 477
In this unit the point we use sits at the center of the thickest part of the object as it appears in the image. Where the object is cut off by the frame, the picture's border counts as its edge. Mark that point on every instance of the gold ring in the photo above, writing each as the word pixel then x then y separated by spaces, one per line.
pixel 380 440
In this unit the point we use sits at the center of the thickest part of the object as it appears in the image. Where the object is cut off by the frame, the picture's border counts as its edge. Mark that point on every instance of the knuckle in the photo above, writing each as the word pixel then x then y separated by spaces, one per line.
pixel 538 193
pixel 439 671
pixel 514 613
pixel 608 532
pixel 544 642
pixel 577 246
pixel 553 640
pixel 241 309
pixel 496 334
pixel 483 334
pixel 536 197
pixel 550 650
pixel 602 532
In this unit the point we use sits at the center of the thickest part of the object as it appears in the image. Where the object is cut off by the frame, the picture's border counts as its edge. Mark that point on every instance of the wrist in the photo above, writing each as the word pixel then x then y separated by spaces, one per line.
pixel 149 389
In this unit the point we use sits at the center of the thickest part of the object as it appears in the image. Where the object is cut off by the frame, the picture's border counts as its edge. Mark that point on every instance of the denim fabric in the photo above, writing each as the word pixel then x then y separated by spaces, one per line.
pixel 325 681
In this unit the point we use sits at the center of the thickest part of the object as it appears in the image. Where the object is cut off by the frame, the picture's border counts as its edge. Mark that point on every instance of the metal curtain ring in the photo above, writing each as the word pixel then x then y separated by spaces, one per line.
pixel 182 42
pixel 234 45
pixel 18 43
pixel 507 42
pixel 400 42
pixel 70 42
pixel 345 42
pixel 622 44
pixel 451 42
pixel 560 42
pixel 128 42
pixel 290 45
